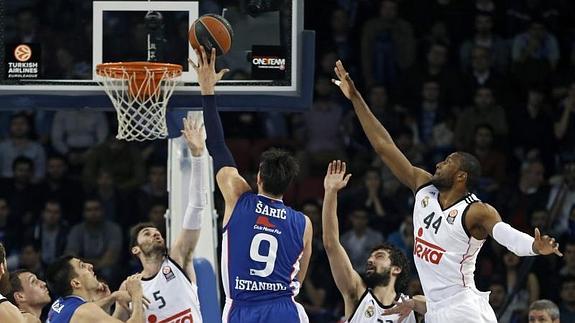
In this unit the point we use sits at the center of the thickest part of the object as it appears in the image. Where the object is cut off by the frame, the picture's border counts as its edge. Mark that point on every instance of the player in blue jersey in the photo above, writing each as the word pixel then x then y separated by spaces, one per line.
pixel 266 245
pixel 75 282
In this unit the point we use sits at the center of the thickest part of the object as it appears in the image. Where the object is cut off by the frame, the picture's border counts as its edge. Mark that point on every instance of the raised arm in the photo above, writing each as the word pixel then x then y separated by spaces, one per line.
pixel 197 198
pixel 483 219
pixel 378 136
pixel 346 278
pixel 231 184
pixel 306 255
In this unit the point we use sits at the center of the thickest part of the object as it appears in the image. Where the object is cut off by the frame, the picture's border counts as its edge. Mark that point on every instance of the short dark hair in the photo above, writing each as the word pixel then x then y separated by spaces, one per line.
pixel 135 230
pixel 2 254
pixel 15 284
pixel 472 167
pixel 59 274
pixel 278 168
pixel 22 160
pixel 398 259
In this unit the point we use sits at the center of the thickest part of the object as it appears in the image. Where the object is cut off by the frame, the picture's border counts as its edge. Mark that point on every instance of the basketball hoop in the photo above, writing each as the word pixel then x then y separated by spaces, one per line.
pixel 140 92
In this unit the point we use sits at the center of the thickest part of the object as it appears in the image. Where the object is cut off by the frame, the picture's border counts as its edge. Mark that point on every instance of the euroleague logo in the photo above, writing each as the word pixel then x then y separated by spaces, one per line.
pixel 22 53
pixel 426 250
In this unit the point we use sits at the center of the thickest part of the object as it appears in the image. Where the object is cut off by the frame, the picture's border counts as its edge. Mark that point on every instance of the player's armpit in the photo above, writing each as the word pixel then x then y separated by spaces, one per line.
pixel 231 184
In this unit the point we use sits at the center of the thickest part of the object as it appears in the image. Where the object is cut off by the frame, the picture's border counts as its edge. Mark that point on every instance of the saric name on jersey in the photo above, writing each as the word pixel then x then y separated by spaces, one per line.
pixel 266 229
pixel 251 285
pixel 270 211
pixel 428 251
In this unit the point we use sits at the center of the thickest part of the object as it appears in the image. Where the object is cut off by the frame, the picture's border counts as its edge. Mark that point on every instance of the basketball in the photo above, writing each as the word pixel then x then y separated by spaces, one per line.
pixel 211 31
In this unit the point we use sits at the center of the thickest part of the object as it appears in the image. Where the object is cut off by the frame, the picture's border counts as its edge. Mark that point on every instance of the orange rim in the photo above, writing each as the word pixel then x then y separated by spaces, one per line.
pixel 122 69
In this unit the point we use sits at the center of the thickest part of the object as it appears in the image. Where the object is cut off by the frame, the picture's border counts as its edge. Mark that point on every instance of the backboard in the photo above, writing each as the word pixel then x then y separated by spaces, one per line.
pixel 49 49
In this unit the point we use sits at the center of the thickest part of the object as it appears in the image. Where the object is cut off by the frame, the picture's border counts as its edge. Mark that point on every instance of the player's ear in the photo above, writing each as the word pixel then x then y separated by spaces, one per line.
pixel 396 270
pixel 75 283
pixel 19 297
pixel 135 250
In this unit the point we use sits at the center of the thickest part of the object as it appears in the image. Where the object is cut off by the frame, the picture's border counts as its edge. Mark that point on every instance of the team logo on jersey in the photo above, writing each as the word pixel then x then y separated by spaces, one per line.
pixel 451 216
pixel 168 273
pixel 425 201
pixel 184 316
pixel 369 311
pixel 265 221
pixel 427 251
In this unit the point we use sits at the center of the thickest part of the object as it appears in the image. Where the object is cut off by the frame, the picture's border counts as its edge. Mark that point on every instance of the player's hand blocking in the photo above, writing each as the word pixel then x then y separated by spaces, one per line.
pixel 194 134
pixel 402 308
pixel 335 179
pixel 206 70
pixel 545 245
pixel 344 81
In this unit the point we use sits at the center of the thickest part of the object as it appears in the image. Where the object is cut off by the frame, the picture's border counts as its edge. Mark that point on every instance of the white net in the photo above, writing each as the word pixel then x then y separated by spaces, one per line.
pixel 140 95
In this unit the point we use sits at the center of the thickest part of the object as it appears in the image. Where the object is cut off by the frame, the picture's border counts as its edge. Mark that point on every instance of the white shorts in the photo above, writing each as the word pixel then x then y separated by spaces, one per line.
pixel 467 306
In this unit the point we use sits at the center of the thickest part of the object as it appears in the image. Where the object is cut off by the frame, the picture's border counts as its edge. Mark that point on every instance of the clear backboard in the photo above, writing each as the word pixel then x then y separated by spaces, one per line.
pixel 49 50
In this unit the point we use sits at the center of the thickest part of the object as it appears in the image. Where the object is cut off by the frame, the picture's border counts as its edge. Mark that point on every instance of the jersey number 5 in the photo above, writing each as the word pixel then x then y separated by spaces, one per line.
pixel 428 222
pixel 269 259
pixel 159 297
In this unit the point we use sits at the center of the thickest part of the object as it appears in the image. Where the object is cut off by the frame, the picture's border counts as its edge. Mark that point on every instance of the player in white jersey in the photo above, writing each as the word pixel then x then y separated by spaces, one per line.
pixel 169 279
pixel 450 224
pixel 387 269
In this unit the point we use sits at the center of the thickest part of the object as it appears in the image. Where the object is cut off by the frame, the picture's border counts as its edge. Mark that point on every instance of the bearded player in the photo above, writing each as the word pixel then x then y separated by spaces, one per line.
pixel 387 271
pixel 169 279
pixel 450 223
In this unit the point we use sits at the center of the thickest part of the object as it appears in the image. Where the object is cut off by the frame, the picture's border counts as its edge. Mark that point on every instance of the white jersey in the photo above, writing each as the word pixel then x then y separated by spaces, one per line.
pixel 444 252
pixel 173 297
pixel 370 310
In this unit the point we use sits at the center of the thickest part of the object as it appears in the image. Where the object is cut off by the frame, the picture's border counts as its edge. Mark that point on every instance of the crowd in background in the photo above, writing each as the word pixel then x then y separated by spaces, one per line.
pixel 494 78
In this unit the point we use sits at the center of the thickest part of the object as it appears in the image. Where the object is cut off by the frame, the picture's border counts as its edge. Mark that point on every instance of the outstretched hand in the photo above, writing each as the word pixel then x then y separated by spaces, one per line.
pixel 402 308
pixel 335 179
pixel 545 245
pixel 344 82
pixel 206 70
pixel 194 135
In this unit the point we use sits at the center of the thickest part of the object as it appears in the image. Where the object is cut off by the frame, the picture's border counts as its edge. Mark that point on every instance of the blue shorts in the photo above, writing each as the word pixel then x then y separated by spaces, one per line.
pixel 284 310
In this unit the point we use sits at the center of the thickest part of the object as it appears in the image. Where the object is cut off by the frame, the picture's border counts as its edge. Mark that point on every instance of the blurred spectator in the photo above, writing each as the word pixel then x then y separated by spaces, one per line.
pixel 562 200
pixel 23 196
pixel 497 297
pixel 535 54
pixel 528 291
pixel 434 68
pixel 27 27
pixel 484 111
pixel 114 201
pixel 60 187
pixel 360 239
pixel 156 215
pixel 155 191
pixel 493 163
pixel 485 37
pixel 9 228
pixel 531 129
pixel 567 294
pixel 50 233
pixel 97 241
pixel 75 131
pixel 403 239
pixel 544 311
pixel 387 46
pixel 529 194
pixel 521 13
pixel 481 74
pixel 568 268
pixel 565 123
pixel 121 159
pixel 20 144
pixel 340 38
pixel 30 259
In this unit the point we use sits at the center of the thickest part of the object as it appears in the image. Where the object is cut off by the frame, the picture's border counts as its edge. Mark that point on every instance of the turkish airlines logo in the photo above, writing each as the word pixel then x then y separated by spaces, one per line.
pixel 182 317
pixel 22 53
pixel 427 250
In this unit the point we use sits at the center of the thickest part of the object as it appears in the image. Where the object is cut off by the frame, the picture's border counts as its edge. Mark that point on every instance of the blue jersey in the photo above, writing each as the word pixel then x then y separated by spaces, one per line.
pixel 261 248
pixel 63 309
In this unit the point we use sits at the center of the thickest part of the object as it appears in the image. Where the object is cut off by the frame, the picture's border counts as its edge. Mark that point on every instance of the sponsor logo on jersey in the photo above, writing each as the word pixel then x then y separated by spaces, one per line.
pixel 278 213
pixel 451 216
pixel 252 285
pixel 168 273
pixel 426 250
pixel 57 307
pixel 264 221
pixel 184 316
pixel 369 311
pixel 425 202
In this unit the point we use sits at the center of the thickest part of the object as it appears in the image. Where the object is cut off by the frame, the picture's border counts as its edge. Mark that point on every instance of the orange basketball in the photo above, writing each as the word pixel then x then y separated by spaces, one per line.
pixel 211 31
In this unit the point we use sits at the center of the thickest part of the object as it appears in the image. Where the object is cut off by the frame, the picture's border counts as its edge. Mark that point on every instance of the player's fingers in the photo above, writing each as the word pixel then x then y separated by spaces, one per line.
pixel 337 72
pixel 339 65
pixel 204 56
pixel 194 65
pixel 343 167
pixel 537 234
pixel 336 82
pixel 213 57
pixel 338 167
pixel 222 72
pixel 346 179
